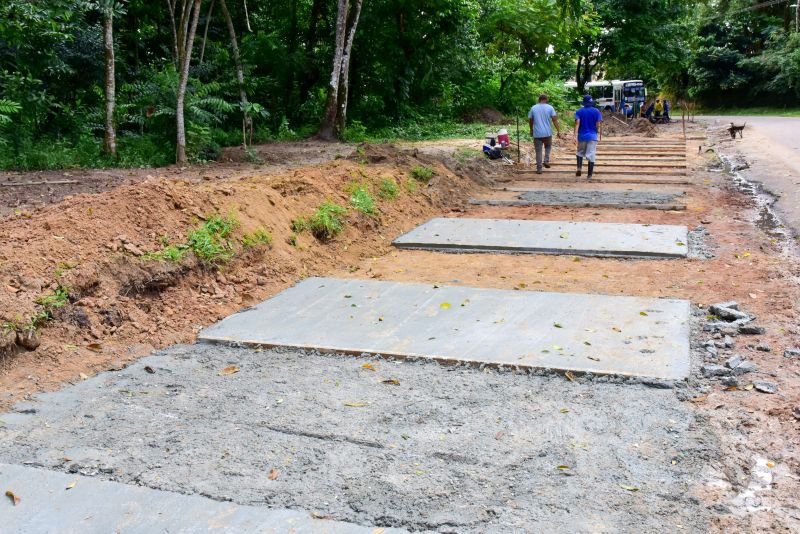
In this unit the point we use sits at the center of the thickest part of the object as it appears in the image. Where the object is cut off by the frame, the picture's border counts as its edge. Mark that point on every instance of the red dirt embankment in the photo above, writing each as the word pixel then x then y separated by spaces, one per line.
pixel 122 305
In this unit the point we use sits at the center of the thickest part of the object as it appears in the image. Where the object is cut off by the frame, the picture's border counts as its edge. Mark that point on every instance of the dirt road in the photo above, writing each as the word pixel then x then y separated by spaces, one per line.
pixel 771 147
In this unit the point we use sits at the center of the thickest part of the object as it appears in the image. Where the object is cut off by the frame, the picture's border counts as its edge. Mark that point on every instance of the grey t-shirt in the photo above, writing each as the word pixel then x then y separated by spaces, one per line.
pixel 541 115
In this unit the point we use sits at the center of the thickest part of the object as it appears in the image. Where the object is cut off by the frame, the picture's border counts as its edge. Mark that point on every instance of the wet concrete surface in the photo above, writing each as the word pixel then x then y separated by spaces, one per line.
pixel 592 198
pixel 404 444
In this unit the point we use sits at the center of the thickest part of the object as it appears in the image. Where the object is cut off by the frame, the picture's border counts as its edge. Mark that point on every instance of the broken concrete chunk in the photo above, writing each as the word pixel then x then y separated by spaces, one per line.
pixel 728 342
pixel 734 361
pixel 764 347
pixel 744 368
pixel 752 330
pixel 765 387
pixel 791 353
pixel 712 369
pixel 712 350
pixel 730 381
pixel 729 305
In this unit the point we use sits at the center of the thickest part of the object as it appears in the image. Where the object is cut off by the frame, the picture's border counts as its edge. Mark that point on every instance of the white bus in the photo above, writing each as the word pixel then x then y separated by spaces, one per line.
pixel 615 94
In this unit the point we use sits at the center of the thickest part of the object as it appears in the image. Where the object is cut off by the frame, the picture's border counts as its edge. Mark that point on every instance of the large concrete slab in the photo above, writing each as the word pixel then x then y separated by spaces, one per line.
pixel 58 502
pixel 583 333
pixel 590 199
pixel 548 237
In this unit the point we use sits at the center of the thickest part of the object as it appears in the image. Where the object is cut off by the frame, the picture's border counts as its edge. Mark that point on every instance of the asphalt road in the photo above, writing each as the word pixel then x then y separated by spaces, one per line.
pixel 772 146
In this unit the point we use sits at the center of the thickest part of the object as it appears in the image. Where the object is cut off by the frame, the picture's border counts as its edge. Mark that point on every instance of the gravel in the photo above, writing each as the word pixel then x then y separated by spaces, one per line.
pixel 406 444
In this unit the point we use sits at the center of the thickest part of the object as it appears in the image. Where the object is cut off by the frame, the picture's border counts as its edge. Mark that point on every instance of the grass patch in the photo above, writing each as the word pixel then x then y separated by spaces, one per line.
pixel 389 189
pixel 411 185
pixel 361 199
pixel 422 174
pixel 47 306
pixel 210 242
pixel 258 238
pixel 324 224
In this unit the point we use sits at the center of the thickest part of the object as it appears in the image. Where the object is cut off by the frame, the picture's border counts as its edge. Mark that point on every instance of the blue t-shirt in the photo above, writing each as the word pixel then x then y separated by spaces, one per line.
pixel 589 117
pixel 541 115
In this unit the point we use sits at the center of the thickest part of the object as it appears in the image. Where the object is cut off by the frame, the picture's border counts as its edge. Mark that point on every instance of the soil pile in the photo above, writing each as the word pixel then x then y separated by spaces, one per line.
pixel 120 303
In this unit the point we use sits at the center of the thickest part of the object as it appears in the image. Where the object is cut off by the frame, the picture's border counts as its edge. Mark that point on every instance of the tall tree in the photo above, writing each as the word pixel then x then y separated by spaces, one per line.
pixel 107 8
pixel 184 42
pixel 336 103
pixel 239 71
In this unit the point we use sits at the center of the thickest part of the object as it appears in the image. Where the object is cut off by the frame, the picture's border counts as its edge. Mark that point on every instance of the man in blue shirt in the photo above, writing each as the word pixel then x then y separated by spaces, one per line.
pixel 539 118
pixel 588 132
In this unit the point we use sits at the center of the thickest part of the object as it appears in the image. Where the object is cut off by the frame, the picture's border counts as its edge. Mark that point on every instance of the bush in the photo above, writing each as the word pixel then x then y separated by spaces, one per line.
pixel 362 201
pixel 388 189
pixel 259 237
pixel 325 224
pixel 422 174
pixel 211 241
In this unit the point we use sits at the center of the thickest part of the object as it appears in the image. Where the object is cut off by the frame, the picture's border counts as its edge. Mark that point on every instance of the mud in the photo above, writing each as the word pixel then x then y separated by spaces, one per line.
pixel 450 449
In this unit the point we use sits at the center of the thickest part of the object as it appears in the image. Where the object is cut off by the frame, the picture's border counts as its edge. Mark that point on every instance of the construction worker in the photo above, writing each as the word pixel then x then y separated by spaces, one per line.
pixel 539 119
pixel 588 132
pixel 659 109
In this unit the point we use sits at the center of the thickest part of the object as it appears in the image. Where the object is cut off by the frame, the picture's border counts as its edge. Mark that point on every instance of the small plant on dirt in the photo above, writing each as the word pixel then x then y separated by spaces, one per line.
pixel 292 239
pixel 260 237
pixel 422 174
pixel 462 155
pixel 411 185
pixel 325 224
pixel 252 156
pixel 362 201
pixel 172 253
pixel 211 242
pixel 388 189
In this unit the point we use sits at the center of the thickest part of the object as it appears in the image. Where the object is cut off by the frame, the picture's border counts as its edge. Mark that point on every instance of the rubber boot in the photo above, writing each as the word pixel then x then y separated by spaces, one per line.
pixel 591 170
pixel 580 164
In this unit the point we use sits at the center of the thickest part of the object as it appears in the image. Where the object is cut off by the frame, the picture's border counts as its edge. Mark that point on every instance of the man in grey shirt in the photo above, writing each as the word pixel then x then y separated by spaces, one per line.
pixel 539 119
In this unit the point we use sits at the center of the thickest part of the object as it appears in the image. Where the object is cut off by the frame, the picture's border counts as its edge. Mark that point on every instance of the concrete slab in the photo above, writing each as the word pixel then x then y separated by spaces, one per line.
pixel 631 179
pixel 548 237
pixel 58 502
pixel 589 198
pixel 629 164
pixel 621 170
pixel 583 333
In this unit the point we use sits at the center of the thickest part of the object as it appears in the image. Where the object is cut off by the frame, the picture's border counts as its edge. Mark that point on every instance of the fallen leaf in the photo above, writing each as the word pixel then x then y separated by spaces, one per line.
pixel 629 488
pixel 95 347
pixel 71 485
pixel 378 530
pixel 576 260
pixel 748 387
pixel 569 376
pixel 368 366
pixel 231 369
pixel 564 235
pixel 643 314
pixel 380 318
pixel 731 388
pixel 392 381
pixel 680 243
pixel 587 343
pixel 356 404
pixel 522 285
pixel 149 369
pixel 616 329
pixel 753 296
pixel 557 325
pixel 564 410
pixel 545 351
pixel 445 305
pixel 466 301
pixel 770 464
pixel 563 467
pixel 557 347
pixel 273 474
pixel 11 495
pixel 594 358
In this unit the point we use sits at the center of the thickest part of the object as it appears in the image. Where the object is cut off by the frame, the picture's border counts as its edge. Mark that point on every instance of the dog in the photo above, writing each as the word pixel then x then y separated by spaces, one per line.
pixel 736 129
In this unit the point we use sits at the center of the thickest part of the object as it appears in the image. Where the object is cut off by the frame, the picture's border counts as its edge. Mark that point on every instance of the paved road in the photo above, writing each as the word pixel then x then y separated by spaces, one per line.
pixel 772 146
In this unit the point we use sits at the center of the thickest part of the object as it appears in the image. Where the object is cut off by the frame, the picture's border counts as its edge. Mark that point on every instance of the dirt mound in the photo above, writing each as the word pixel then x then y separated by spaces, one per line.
pixel 644 127
pixel 118 302
pixel 614 125
pixel 485 115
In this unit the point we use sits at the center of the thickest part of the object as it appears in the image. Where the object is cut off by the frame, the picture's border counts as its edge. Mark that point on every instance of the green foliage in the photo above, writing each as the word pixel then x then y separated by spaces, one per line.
pixel 422 173
pixel 324 224
pixel 362 201
pixel 48 305
pixel 7 107
pixel 258 238
pixel 355 132
pixel 211 242
pixel 389 189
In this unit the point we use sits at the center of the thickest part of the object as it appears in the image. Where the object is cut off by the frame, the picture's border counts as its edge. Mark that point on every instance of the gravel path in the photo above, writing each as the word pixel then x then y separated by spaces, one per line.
pixel 448 449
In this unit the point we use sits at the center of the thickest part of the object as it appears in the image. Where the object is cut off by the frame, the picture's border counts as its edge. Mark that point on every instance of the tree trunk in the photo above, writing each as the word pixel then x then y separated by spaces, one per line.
pixel 171 11
pixel 238 63
pixel 205 33
pixel 344 78
pixel 326 131
pixel 189 18
pixel 110 136
pixel 580 83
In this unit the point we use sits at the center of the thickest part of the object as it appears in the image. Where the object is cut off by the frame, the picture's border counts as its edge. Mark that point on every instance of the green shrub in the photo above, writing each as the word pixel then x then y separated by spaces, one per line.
pixel 211 241
pixel 411 185
pixel 355 132
pixel 259 237
pixel 325 224
pixel 362 201
pixel 422 174
pixel 388 189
